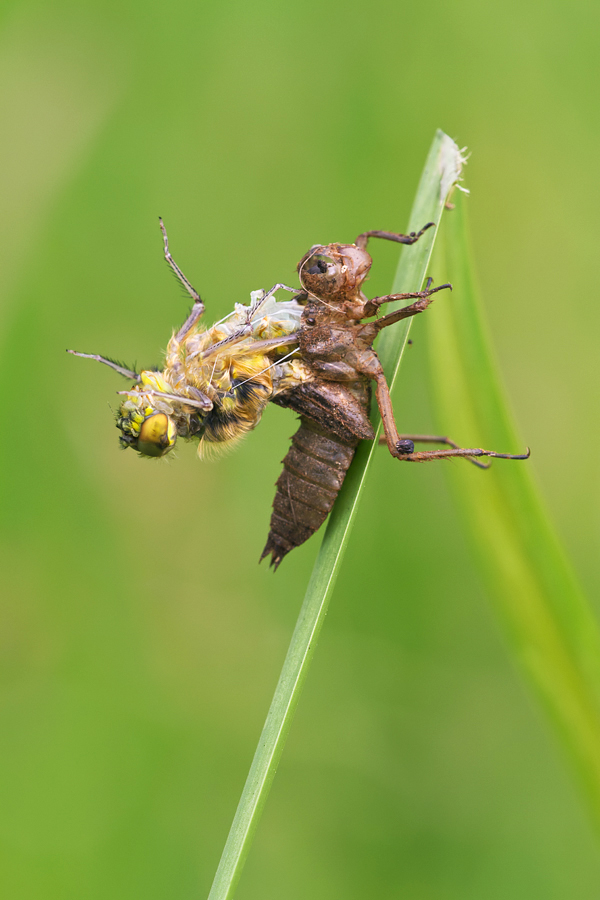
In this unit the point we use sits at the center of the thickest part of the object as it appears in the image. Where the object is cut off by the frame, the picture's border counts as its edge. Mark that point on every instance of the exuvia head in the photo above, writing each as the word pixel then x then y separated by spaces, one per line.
pixel 334 270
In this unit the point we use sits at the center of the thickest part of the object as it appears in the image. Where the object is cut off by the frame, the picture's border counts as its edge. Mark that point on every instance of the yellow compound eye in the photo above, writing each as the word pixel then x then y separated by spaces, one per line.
pixel 157 435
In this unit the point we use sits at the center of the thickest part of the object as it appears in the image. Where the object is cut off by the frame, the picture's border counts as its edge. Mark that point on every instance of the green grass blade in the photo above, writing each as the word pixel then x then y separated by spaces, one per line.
pixel 440 173
pixel 551 629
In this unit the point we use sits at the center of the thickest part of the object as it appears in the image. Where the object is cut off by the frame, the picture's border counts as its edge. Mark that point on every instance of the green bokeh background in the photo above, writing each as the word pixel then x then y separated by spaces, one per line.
pixel 140 640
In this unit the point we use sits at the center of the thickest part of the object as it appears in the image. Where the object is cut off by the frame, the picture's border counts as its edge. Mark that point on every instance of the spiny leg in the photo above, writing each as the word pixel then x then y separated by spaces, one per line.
pixel 384 402
pixel 377 302
pixel 203 402
pixel 362 240
pixel 187 284
pixel 369 365
pixel 406 446
pixel 426 298
pixel 198 307
pixel 403 447
pixel 407 443
pixel 126 373
pixel 458 452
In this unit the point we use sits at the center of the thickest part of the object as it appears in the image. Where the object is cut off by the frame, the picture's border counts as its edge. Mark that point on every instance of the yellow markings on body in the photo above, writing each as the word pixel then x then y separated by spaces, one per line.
pixel 155 381
pixel 228 404
pixel 270 328
pixel 247 366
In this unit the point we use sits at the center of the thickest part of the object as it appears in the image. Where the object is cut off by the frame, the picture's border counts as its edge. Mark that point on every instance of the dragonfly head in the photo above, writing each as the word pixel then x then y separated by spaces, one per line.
pixel 147 430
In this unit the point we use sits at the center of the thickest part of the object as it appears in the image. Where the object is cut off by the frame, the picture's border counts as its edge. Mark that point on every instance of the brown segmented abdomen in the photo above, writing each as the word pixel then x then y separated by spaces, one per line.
pixel 313 473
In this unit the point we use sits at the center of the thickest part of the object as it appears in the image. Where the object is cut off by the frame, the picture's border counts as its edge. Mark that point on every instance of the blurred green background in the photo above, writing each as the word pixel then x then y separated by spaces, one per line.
pixel 141 642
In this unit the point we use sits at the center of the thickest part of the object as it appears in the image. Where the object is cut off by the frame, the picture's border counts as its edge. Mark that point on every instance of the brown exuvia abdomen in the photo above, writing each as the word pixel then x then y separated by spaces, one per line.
pixel 313 473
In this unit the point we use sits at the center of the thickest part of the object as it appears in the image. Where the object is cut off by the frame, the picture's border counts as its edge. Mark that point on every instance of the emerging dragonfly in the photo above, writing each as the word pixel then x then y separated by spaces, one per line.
pixel 312 353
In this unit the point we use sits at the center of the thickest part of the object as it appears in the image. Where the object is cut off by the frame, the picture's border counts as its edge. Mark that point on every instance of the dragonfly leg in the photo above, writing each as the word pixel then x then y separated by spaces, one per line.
pixel 362 240
pixel 368 364
pixel 409 440
pixel 403 446
pixel 425 299
pixel 122 370
pixel 198 307
pixel 406 451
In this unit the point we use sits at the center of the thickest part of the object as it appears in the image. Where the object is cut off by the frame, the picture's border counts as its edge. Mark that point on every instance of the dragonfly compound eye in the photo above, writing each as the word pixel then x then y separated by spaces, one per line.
pixel 157 435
